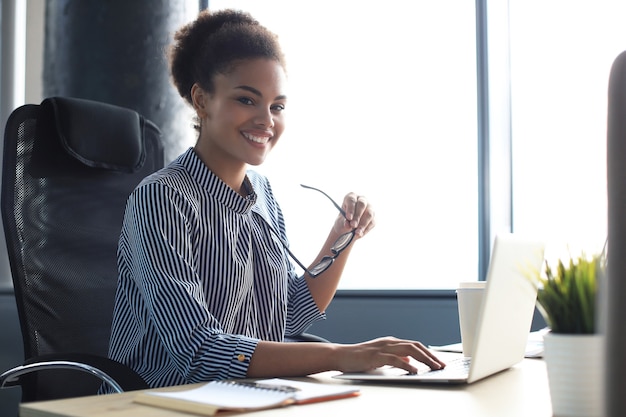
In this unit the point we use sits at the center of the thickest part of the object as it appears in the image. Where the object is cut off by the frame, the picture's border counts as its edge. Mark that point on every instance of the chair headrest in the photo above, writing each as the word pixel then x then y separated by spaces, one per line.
pixel 98 134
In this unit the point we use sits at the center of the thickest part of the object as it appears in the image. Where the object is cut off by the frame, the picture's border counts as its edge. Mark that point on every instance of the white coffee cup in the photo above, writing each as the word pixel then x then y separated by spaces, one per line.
pixel 469 297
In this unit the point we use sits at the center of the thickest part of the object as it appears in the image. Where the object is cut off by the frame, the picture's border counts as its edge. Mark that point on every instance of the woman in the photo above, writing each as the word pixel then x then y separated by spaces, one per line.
pixel 206 289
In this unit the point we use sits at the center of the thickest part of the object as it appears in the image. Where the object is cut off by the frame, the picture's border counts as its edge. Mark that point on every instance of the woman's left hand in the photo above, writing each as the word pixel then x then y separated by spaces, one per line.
pixel 359 216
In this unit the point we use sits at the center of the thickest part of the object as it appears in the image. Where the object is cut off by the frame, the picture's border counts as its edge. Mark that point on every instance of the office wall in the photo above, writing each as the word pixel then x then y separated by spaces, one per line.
pixel 355 316
pixel 428 316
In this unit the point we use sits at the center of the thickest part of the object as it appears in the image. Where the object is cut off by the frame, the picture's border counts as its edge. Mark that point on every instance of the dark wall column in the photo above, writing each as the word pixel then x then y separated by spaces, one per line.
pixel 115 51
pixel 612 306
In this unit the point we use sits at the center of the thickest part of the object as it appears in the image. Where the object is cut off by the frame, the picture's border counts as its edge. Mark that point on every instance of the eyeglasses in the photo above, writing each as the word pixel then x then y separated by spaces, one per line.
pixel 339 246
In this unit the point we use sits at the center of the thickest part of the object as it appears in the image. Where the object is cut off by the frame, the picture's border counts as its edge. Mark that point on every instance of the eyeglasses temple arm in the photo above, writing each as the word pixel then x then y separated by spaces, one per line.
pixel 337 206
pixel 285 245
pixel 294 257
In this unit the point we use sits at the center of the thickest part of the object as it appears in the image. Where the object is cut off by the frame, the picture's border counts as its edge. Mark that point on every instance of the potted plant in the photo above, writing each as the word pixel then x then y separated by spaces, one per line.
pixel 573 348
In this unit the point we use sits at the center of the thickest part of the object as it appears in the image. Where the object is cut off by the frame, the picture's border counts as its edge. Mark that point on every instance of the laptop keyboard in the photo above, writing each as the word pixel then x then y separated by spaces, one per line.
pixel 457 366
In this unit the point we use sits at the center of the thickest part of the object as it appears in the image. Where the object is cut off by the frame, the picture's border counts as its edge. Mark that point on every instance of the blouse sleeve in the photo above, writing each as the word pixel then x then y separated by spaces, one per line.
pixel 156 252
pixel 302 310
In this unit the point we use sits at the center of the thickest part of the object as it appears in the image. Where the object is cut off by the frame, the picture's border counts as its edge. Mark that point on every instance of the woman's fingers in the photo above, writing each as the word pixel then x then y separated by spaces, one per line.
pixel 388 351
pixel 359 213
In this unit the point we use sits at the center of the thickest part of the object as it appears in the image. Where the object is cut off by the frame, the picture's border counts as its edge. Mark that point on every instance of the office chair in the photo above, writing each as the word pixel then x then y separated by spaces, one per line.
pixel 68 167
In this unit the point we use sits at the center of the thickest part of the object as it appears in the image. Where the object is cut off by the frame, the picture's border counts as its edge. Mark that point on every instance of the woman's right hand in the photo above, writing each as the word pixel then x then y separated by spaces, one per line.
pixel 367 356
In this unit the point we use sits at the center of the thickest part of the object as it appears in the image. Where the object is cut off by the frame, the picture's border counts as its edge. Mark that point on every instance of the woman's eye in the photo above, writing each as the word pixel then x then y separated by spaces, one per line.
pixel 245 100
pixel 278 107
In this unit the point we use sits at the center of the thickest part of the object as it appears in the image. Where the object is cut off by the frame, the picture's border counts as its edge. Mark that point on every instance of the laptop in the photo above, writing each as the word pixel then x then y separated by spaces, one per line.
pixel 504 320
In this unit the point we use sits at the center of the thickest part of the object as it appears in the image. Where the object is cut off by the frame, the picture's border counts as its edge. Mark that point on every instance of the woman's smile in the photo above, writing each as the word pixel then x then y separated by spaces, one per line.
pixel 258 137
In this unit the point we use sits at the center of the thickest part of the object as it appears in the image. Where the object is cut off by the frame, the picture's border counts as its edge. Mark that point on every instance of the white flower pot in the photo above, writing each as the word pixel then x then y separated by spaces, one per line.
pixel 575 374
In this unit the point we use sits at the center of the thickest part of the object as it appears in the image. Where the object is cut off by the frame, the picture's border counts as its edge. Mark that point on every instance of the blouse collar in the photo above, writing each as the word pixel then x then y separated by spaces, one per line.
pixel 217 188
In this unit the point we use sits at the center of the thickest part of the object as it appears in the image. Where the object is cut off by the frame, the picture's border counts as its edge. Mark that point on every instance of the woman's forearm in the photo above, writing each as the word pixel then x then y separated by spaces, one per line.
pixel 274 359
pixel 324 286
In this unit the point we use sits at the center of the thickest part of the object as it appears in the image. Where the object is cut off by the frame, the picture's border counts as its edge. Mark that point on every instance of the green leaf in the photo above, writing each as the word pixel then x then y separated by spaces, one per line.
pixel 567 294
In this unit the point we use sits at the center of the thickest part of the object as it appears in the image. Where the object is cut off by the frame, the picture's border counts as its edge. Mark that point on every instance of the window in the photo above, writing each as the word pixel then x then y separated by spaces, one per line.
pixel 382 102
pixel 561 55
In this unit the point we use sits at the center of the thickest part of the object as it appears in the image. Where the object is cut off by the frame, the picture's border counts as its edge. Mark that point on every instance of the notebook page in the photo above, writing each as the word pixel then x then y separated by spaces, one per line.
pixel 223 395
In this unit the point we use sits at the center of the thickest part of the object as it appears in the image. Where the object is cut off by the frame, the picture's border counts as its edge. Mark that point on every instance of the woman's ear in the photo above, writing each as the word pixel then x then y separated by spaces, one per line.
pixel 198 98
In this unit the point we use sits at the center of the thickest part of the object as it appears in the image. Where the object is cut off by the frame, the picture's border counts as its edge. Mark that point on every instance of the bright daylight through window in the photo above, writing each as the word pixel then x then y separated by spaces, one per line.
pixel 561 55
pixel 382 102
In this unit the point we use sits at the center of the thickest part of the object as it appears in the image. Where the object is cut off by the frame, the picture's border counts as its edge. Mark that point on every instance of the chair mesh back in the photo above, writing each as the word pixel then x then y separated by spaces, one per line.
pixel 62 223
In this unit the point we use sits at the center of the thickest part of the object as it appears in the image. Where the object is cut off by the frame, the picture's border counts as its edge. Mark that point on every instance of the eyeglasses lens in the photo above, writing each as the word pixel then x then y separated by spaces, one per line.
pixel 322 266
pixel 342 242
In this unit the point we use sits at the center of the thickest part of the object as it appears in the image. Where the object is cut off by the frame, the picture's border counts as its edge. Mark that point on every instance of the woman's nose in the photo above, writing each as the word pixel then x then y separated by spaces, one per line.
pixel 265 118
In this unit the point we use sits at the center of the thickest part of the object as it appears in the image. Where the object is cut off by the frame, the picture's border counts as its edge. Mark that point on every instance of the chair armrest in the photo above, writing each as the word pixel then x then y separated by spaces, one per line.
pixel 118 376
pixel 12 375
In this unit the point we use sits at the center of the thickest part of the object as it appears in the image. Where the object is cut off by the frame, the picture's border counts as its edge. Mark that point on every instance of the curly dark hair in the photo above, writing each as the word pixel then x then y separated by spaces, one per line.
pixel 213 44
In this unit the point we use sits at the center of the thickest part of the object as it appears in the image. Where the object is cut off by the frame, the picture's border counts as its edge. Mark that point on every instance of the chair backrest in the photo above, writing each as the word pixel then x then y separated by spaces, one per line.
pixel 68 168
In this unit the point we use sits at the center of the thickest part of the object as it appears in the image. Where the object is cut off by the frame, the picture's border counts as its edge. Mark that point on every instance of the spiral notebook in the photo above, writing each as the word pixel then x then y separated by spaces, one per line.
pixel 230 395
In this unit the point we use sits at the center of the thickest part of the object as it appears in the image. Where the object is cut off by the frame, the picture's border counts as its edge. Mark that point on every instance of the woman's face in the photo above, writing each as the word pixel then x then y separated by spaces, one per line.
pixel 243 119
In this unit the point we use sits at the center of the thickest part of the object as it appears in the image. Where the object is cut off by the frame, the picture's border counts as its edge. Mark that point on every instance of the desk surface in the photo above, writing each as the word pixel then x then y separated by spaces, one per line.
pixel 519 391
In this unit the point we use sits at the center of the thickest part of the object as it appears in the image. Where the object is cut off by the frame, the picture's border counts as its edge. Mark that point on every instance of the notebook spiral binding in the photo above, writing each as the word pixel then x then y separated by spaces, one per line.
pixel 260 386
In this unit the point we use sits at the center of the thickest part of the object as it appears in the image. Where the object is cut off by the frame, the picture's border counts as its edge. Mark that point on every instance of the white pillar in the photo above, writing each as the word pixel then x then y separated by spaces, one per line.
pixel 12 88
pixel 13 59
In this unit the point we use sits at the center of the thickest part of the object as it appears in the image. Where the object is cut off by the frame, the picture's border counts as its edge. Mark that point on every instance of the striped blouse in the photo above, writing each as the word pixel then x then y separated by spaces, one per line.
pixel 202 277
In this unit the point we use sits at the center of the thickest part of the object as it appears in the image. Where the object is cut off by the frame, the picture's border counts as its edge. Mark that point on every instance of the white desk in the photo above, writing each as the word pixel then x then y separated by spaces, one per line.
pixel 519 391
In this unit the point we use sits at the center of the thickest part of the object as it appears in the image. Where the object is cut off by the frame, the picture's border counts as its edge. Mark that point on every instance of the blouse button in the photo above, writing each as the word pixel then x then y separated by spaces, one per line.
pixel 241 357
